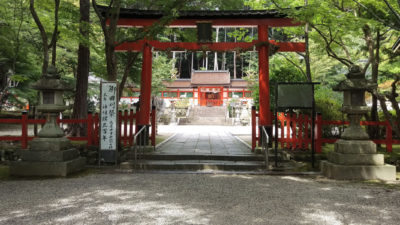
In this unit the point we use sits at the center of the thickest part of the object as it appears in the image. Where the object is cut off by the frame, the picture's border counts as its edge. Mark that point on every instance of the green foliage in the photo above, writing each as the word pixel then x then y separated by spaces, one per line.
pixel 163 70
pixel 182 103
pixel 328 103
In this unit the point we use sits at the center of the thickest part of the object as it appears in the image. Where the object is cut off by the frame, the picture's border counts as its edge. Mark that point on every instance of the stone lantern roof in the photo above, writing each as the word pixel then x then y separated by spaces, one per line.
pixel 52 82
pixel 356 81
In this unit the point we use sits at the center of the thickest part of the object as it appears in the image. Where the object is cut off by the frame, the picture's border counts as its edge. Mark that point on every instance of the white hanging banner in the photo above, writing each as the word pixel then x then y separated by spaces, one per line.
pixel 108 116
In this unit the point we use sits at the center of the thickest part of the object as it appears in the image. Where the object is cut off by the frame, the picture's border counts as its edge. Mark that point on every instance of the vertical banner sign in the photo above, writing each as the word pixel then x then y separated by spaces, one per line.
pixel 108 121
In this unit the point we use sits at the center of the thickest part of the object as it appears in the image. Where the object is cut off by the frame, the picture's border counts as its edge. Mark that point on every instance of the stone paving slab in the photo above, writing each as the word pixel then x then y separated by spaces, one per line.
pixel 216 140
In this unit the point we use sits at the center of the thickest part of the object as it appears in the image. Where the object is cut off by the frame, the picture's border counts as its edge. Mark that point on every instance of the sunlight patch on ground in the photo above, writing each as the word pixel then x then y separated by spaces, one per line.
pixel 113 206
pixel 326 189
pixel 322 217
pixel 295 179
pixel 230 175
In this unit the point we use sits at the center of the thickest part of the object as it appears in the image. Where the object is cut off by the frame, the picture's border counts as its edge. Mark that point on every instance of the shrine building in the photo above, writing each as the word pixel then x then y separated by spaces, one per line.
pixel 204 88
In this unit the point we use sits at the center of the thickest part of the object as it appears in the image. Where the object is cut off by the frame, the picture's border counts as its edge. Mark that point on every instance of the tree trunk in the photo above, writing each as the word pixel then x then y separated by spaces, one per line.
pixel 80 109
pixel 375 60
pixel 43 36
pixel 307 56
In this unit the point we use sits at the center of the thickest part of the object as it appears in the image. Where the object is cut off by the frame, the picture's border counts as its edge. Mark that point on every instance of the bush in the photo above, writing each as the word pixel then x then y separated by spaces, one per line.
pixel 329 104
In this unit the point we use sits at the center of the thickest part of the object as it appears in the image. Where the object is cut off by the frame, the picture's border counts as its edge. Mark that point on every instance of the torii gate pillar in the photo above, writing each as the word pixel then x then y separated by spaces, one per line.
pixel 143 116
pixel 263 65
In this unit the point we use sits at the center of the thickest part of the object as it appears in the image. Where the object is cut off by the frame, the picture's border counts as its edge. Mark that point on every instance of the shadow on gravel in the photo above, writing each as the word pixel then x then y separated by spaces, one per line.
pixel 195 199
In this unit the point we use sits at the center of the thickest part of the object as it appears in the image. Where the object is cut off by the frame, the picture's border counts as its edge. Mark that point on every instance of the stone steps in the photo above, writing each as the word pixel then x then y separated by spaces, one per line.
pixel 198 162
pixel 202 115
pixel 247 157
pixel 196 165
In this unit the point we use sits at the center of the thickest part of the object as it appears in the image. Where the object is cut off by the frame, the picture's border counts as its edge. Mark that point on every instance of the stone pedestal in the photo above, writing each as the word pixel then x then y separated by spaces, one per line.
pixel 50 154
pixel 357 160
pixel 48 157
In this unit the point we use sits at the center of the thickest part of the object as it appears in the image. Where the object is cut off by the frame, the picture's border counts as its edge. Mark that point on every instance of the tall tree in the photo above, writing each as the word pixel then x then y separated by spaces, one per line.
pixel 108 22
pixel 45 44
pixel 80 103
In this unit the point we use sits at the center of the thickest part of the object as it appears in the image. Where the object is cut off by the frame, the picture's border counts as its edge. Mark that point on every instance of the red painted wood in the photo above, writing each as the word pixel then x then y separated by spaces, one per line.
pixel 96 129
pixel 294 130
pixel 125 137
pixel 153 126
pixel 318 134
pixel 145 90
pixel 282 121
pixel 307 137
pixel 300 138
pixel 131 116
pixel 389 137
pixel 120 125
pixel 24 133
pixel 37 121
pixel 10 121
pixel 288 133
pixel 66 121
pixel 273 22
pixel 10 138
pixel 263 62
pixel 253 128
pixel 89 128
pixel 218 46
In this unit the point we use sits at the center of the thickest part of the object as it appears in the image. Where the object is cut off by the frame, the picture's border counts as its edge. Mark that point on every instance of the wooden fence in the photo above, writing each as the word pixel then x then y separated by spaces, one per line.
pixel 295 131
pixel 125 121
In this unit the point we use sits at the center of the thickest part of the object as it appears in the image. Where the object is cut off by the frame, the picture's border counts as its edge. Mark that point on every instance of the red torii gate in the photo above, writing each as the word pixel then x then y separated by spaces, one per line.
pixel 262 19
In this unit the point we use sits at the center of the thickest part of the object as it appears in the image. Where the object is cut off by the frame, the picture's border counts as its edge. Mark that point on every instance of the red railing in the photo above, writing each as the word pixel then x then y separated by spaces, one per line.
pixel 126 131
pixel 295 131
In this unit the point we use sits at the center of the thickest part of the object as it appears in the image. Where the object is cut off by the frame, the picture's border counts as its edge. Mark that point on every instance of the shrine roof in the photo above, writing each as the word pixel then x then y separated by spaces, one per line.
pixel 211 77
pixel 128 13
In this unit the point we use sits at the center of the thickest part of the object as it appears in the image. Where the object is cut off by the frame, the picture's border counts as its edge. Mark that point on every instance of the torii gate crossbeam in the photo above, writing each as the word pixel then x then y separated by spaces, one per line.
pixel 262 19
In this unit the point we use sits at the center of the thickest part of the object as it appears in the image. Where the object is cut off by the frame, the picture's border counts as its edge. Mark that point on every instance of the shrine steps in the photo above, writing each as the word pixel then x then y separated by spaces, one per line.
pixel 203 115
pixel 167 162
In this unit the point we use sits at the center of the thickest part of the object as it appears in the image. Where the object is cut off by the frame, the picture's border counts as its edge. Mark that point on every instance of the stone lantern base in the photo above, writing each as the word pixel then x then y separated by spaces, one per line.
pixel 357 160
pixel 48 157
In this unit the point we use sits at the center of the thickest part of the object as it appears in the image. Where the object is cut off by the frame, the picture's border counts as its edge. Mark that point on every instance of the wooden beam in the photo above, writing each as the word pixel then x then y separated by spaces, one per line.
pixel 191 23
pixel 220 46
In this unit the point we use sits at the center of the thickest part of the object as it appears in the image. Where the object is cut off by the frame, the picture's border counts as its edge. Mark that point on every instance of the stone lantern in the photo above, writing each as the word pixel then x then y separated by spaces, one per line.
pixel 354 155
pixel 50 154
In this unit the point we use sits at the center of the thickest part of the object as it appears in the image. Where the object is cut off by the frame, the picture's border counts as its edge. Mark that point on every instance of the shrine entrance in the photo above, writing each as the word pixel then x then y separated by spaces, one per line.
pixel 210 96
pixel 205 22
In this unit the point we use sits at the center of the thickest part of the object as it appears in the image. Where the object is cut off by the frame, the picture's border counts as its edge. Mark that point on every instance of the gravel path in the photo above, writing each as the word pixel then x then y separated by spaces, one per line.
pixel 195 199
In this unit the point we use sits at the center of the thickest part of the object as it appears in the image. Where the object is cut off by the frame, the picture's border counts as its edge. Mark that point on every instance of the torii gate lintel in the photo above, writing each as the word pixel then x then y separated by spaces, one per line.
pixel 262 19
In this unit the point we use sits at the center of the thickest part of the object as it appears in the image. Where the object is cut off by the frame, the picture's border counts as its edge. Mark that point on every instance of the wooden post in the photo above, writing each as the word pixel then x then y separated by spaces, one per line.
pixel 145 87
pixel 263 62
pixel 300 139
pixel 294 130
pixel 282 121
pixel 318 133
pixel 89 126
pixel 288 133
pixel 253 128
pixel 131 134
pixel 153 126
pixel 24 123
pixel 96 129
pixel 125 128
pixel 389 137
pixel 119 128
pixel 306 133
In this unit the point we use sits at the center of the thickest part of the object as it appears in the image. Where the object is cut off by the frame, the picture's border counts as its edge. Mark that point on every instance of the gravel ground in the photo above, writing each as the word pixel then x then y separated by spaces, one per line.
pixel 196 199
